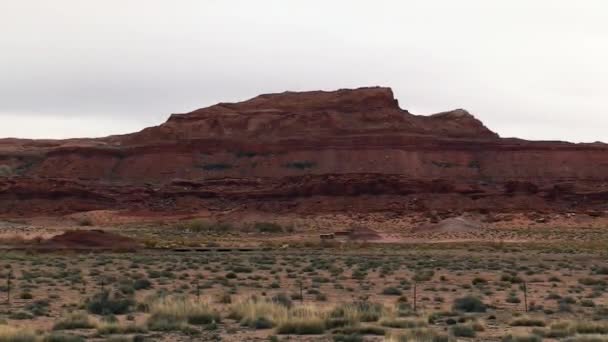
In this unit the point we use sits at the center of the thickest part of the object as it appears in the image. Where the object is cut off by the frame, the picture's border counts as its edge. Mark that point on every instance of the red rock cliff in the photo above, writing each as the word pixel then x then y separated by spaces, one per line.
pixel 340 147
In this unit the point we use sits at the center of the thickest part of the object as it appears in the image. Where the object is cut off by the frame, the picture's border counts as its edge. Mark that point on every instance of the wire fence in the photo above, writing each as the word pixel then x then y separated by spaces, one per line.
pixel 525 295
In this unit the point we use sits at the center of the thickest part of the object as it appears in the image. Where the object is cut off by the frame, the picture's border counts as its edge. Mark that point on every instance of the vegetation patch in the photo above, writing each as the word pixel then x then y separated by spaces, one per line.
pixel 300 165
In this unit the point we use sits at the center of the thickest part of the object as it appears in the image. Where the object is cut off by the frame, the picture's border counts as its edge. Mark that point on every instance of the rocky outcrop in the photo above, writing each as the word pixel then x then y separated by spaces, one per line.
pixel 348 149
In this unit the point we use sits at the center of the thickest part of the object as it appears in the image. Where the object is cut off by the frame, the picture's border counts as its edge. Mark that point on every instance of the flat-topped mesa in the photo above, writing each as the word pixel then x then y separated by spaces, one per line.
pixel 367 111
pixel 308 102
pixel 345 150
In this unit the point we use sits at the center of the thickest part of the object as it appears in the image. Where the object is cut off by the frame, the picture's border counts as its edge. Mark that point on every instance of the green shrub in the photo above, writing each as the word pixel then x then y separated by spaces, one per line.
pixel 283 299
pixel 469 304
pixel 361 311
pixel 142 284
pixel 402 323
pixel 527 322
pixel 479 281
pixel 20 315
pixel 268 227
pixel 348 338
pixel 105 303
pixel 203 318
pixel 462 330
pixel 201 226
pixel 38 307
pixel 392 291
pixel 300 165
pixel 5 171
pixel 302 326
pixel 164 323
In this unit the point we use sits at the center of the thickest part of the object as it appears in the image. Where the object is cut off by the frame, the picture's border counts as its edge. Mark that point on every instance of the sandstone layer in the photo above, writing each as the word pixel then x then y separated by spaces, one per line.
pixel 309 152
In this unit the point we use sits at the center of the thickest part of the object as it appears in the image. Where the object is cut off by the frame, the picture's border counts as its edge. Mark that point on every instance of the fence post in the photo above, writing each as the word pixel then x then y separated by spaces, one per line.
pixel 301 292
pixel 415 301
pixel 198 290
pixel 525 296
pixel 8 288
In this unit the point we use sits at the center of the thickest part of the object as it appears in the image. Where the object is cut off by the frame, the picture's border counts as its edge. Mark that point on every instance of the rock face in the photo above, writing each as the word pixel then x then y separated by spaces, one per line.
pixel 346 150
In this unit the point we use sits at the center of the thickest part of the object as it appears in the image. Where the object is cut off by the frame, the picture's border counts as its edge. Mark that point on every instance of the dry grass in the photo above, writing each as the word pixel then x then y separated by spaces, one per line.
pixel 301 320
pixel 13 334
pixel 172 313
pixel 250 311
pixel 75 320
pixel 418 335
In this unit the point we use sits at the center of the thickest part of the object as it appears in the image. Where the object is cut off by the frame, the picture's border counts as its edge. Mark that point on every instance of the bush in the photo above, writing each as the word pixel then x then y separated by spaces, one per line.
pixel 267 227
pixel 402 323
pixel 55 337
pixel 203 318
pixel 362 311
pixel 38 308
pixel 258 314
pixel 348 338
pixel 263 323
pixel 392 291
pixel 116 328
pixel 106 303
pixel 361 330
pixel 172 314
pixel 419 335
pixel 142 284
pixel 283 299
pixel 479 281
pixel 20 315
pixel 522 338
pixel 469 304
pixel 201 226
pixel 300 165
pixel 302 326
pixel 513 299
pixel 26 295
pixel 164 323
pixel 78 320
pixel 5 171
pixel 527 322
pixel 85 222
pixel 461 330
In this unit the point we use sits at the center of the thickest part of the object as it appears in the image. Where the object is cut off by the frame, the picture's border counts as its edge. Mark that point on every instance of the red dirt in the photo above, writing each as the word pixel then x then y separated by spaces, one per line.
pixel 452 225
pixel 364 234
pixel 347 151
pixel 90 239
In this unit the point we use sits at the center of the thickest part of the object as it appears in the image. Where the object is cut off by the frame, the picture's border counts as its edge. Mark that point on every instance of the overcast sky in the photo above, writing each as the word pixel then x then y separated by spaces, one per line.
pixel 73 68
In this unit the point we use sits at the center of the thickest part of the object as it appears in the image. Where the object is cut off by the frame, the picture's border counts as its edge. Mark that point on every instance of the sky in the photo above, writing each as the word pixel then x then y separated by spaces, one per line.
pixel 530 69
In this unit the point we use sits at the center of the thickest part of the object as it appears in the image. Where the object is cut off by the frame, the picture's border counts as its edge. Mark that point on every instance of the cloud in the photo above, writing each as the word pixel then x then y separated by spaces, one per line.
pixel 528 69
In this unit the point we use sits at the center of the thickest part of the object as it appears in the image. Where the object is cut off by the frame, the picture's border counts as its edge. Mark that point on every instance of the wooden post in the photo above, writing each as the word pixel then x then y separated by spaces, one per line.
pixel 301 292
pixel 525 296
pixel 415 302
pixel 8 289
pixel 198 290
